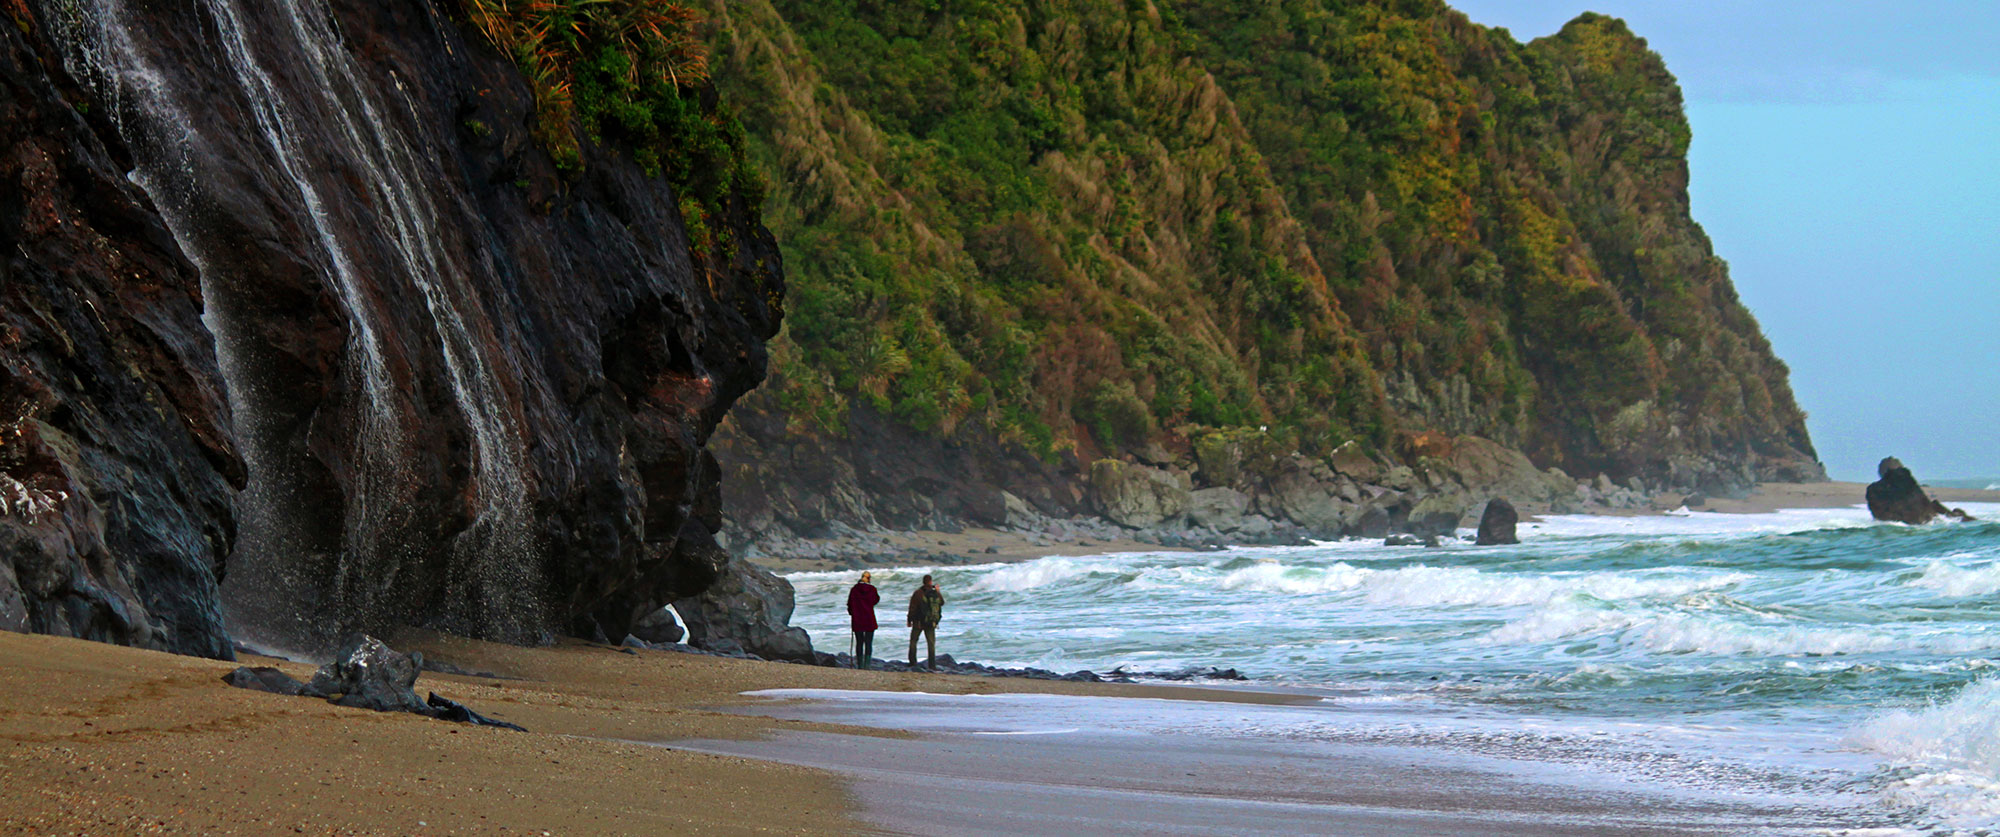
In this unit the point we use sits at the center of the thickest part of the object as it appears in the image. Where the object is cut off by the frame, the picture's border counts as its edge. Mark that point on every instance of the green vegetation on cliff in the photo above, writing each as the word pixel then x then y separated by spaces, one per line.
pixel 633 75
pixel 1105 222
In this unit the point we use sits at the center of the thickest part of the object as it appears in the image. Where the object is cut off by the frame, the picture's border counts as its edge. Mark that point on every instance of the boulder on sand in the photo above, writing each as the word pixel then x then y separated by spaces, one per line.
pixel 263 679
pixel 659 627
pixel 368 674
pixel 1496 525
pixel 749 609
pixel 1897 496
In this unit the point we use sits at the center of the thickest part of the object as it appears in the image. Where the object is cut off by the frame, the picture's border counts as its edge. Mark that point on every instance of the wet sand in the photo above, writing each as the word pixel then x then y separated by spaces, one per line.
pixel 1035 765
pixel 108 740
pixel 101 739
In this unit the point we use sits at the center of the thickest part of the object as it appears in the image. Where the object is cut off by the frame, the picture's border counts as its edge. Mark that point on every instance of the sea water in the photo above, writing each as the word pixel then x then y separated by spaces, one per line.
pixel 1810 654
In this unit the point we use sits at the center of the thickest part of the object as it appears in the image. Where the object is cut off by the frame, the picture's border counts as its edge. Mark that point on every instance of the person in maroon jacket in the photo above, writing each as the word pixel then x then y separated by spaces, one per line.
pixel 861 599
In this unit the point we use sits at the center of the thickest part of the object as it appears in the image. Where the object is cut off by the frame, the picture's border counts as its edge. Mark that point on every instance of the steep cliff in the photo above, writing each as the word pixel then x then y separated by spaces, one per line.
pixel 471 380
pixel 1053 232
pixel 116 461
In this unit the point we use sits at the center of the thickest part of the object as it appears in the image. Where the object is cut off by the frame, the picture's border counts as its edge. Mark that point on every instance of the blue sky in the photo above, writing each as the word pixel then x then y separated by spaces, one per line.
pixel 1846 163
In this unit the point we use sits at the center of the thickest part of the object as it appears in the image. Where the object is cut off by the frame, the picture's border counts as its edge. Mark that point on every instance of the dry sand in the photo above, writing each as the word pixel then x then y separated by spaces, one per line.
pixel 101 739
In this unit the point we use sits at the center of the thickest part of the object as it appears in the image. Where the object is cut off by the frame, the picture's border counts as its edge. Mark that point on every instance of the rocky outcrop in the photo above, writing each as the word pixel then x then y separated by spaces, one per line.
pixel 1896 496
pixel 473 390
pixel 368 674
pixel 1496 524
pixel 1221 508
pixel 748 610
pixel 659 628
pixel 1137 495
pixel 116 461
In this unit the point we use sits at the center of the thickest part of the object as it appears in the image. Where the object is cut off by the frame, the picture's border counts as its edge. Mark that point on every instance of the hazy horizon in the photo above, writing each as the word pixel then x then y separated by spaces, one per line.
pixel 1842 165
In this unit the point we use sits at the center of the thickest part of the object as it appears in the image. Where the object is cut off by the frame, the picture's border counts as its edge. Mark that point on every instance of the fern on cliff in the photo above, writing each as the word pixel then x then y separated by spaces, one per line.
pixel 630 74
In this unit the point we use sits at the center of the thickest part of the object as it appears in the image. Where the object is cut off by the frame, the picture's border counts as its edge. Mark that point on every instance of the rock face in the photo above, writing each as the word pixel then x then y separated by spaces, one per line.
pixel 747 610
pixel 1137 495
pixel 1897 496
pixel 116 462
pixel 1221 509
pixel 472 391
pixel 1496 524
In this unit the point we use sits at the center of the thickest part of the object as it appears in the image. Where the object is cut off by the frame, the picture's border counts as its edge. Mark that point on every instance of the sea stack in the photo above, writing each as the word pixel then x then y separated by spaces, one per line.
pixel 1496 526
pixel 1897 496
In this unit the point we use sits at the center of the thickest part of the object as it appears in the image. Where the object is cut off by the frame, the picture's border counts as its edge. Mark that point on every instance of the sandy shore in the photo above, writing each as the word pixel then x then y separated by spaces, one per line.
pixel 103 739
pixel 110 740
pixel 974 546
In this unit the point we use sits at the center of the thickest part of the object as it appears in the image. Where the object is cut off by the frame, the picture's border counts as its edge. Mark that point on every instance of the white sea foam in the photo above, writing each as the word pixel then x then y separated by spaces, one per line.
pixel 1959 582
pixel 1701 524
pixel 1029 575
pixel 1946 756
pixel 1674 632
pixel 1425 586
pixel 1273 577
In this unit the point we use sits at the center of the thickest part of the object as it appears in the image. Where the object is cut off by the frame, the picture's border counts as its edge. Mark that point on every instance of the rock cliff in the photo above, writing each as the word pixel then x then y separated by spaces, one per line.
pixel 116 461
pixel 1027 237
pixel 470 387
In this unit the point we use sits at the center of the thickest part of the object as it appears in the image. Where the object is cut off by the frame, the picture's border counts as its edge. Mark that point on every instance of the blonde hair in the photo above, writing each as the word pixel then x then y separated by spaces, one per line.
pixel 865 575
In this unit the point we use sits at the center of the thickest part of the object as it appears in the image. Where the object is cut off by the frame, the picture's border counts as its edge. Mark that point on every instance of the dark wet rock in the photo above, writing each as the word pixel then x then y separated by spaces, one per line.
pixel 476 388
pixel 659 627
pixel 1402 539
pixel 368 674
pixel 1496 524
pixel 1694 501
pixel 747 611
pixel 264 679
pixel 1898 497
pixel 446 709
pixel 117 466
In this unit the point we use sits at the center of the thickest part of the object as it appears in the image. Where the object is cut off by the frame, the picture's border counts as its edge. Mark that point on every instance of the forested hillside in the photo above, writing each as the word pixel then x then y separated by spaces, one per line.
pixel 1072 229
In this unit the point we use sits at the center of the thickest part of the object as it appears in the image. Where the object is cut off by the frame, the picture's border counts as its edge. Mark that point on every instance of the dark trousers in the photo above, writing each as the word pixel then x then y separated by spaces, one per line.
pixel 864 648
pixel 928 632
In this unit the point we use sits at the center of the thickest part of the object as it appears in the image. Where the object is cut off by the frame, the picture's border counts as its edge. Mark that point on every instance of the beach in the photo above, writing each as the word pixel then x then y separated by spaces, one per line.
pixel 1548 712
pixel 111 740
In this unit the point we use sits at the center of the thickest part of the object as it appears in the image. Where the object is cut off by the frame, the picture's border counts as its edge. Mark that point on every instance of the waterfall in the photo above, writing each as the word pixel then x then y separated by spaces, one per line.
pixel 349 170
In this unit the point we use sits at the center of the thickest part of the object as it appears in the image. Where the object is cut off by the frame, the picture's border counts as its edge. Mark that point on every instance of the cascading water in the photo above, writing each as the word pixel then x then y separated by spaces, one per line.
pixel 338 145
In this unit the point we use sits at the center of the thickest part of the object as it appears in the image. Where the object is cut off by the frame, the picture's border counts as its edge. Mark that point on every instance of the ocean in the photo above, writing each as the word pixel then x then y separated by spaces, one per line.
pixel 1813 656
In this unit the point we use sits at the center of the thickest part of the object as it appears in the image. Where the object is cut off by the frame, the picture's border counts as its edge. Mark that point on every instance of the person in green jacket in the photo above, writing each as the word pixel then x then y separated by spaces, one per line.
pixel 926 610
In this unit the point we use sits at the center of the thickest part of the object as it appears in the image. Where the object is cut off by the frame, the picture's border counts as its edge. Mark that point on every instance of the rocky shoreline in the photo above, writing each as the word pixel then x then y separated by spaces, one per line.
pixel 1289 501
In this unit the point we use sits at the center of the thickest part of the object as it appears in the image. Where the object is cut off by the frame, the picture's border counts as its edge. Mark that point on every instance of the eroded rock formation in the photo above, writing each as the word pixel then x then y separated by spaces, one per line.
pixel 1496 524
pixel 116 465
pixel 472 391
pixel 1897 496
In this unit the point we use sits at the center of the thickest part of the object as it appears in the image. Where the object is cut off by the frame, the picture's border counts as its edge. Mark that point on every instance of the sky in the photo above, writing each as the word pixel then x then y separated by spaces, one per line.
pixel 1846 163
